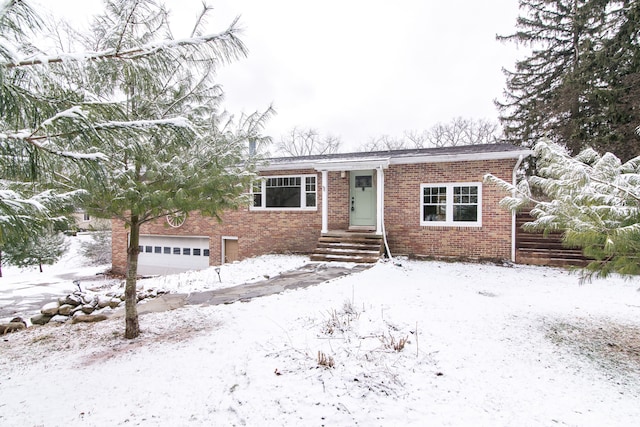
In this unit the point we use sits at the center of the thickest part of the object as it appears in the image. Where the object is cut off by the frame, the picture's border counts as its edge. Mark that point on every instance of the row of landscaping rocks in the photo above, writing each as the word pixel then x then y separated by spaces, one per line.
pixel 82 306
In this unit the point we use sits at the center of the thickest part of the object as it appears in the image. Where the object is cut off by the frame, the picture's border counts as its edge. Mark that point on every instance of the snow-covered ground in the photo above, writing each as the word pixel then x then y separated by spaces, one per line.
pixel 20 288
pixel 24 290
pixel 485 345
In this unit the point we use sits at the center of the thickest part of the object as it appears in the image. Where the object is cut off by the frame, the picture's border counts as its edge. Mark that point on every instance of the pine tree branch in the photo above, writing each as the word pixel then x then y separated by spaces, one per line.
pixel 515 191
pixel 149 49
pixel 127 22
pixel 34 140
pixel 617 187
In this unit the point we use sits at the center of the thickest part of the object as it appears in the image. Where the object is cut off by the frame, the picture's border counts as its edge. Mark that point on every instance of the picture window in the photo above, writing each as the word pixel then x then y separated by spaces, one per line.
pixel 285 192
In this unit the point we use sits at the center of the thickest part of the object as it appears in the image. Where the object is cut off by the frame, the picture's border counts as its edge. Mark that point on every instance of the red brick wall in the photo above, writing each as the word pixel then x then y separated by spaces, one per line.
pixel 258 232
pixel 262 232
pixel 338 202
pixel 402 212
pixel 119 241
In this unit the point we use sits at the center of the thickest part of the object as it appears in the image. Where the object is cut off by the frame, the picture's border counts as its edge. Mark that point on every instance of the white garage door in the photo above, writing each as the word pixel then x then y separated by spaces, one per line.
pixel 168 254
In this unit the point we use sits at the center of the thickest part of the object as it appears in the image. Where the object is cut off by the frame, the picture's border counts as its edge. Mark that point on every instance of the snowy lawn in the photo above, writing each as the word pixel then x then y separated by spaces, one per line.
pixel 485 345
pixel 21 286
pixel 24 290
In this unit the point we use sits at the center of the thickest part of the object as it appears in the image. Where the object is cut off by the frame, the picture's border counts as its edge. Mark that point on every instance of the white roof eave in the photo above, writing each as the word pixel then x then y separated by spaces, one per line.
pixel 346 165
pixel 329 165
pixel 375 163
pixel 467 157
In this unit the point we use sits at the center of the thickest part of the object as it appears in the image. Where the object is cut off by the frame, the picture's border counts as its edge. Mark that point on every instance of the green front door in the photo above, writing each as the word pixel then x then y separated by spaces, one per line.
pixel 362 199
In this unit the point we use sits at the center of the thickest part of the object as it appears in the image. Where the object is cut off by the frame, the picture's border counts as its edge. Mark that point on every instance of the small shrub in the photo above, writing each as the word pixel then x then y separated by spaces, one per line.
pixel 348 308
pixel 340 321
pixel 390 343
pixel 324 360
pixel 98 249
pixel 333 324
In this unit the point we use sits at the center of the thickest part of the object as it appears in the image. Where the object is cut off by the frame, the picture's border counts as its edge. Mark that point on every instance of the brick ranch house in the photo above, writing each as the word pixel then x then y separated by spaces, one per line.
pixel 427 202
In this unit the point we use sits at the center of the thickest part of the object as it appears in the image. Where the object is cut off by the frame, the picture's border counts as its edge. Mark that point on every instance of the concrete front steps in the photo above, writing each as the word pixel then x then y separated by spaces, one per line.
pixel 347 246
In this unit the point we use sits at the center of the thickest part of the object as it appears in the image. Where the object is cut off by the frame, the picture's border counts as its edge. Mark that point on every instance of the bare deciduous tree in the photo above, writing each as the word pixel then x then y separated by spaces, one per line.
pixel 416 139
pixel 385 143
pixel 459 131
pixel 307 142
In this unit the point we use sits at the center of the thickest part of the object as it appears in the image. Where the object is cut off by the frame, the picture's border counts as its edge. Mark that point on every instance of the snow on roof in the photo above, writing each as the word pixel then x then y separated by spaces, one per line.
pixel 407 156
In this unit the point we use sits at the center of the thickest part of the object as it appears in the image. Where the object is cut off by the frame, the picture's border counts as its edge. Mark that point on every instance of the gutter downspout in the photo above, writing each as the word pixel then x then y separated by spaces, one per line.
pixel 381 213
pixel 513 213
pixel 325 202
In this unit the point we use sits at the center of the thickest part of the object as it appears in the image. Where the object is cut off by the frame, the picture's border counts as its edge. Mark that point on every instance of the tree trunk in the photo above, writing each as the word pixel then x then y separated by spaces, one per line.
pixel 132 329
pixel 40 265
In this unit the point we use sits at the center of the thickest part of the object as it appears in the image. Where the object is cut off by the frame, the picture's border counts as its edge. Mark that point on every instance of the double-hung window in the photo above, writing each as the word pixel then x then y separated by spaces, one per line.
pixel 285 192
pixel 452 204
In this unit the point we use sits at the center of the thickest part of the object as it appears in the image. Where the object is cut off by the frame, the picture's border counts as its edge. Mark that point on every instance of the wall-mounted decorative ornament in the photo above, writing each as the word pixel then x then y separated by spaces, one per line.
pixel 176 219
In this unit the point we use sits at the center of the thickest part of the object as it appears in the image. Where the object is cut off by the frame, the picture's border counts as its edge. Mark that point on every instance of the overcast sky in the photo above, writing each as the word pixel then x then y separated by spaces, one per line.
pixel 357 68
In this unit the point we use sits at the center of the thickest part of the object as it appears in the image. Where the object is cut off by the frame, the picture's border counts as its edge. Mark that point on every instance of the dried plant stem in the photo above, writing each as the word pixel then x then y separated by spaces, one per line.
pixel 417 344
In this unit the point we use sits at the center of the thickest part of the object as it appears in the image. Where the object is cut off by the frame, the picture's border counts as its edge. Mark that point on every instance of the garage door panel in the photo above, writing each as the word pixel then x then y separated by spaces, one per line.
pixel 170 254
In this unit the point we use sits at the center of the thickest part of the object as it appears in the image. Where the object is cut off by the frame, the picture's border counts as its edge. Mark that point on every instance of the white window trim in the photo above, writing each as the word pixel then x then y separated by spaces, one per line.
pixel 449 207
pixel 303 193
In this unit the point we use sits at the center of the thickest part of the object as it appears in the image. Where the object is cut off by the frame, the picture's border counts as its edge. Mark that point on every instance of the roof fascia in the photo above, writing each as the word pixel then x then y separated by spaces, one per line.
pixel 347 165
pixel 329 165
pixel 374 163
pixel 466 157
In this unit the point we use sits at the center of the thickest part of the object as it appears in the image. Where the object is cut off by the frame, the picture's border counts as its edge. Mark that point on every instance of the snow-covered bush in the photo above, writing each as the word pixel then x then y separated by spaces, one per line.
pixel 42 246
pixel 593 198
pixel 98 248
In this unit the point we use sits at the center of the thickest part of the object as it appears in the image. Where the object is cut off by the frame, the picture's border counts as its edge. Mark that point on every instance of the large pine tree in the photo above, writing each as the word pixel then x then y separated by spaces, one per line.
pixel 197 160
pixel 135 114
pixel 617 82
pixel 577 85
pixel 593 199
pixel 31 106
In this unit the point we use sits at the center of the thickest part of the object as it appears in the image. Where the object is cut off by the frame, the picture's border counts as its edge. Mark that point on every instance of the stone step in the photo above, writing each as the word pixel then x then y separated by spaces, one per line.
pixel 351 239
pixel 345 251
pixel 343 246
pixel 344 258
pixel 350 246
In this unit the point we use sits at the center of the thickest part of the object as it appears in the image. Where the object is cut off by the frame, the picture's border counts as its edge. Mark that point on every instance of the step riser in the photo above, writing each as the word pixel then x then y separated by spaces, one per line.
pixel 350 247
pixel 347 253
pixel 366 260
pixel 340 247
